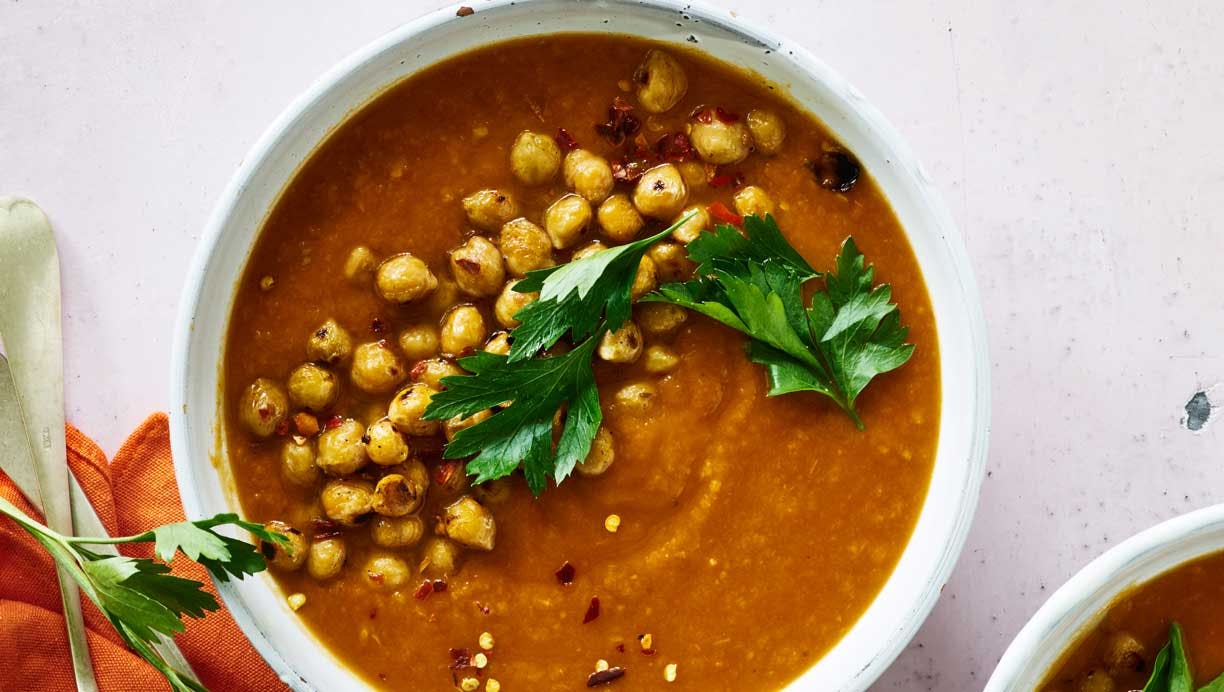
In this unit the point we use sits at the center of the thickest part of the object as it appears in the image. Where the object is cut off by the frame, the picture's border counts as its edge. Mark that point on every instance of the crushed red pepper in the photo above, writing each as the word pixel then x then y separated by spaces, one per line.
pixel 592 611
pixel 333 422
pixel 423 592
pixel 720 211
pixel 565 140
pixel 603 677
pixel 621 123
pixel 565 574
pixel 460 658
pixel 324 528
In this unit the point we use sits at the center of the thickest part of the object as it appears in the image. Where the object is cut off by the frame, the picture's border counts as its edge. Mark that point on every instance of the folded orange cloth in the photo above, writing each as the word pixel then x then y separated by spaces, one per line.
pixel 132 494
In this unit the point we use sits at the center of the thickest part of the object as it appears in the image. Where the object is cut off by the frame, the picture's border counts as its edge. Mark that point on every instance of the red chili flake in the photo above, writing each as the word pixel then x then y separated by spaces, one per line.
pixel 565 140
pixel 703 115
pixel 306 424
pixel 265 411
pixel 603 677
pixel 446 472
pixel 333 422
pixel 565 574
pixel 325 529
pixel 725 116
pixel 377 326
pixel 721 179
pixel 620 647
pixel 628 170
pixel 484 609
pixel 467 265
pixel 373 613
pixel 648 652
pixel 382 676
pixel 720 211
pixel 592 611
pixel 376 577
pixel 675 147
pixel 423 592
pixel 439 586
pixel 621 123
pixel 460 658
pixel 465 11
pixel 282 428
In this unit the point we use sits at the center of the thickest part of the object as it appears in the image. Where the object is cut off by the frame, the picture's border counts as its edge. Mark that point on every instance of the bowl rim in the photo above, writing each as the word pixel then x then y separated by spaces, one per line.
pixel 952 246
pixel 1103 577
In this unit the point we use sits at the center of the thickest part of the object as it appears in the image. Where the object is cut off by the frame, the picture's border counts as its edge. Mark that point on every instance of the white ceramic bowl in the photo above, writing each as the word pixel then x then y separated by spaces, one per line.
pixel 1082 601
pixel 195 419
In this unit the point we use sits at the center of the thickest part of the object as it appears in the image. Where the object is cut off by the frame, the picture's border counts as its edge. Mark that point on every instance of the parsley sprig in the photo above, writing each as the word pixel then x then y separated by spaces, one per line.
pixel 1171 670
pixel 140 597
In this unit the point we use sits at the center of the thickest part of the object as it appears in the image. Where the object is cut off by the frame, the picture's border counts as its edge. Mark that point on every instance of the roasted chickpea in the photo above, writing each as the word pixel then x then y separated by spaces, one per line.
pixel 440 557
pixel 403 279
pixel 419 341
pixel 499 343
pixel 416 472
pixel 341 449
pixel 637 398
pixel 463 330
pixel 566 220
pixel 646 279
pixel 659 319
pixel 326 559
pixel 445 295
pixel 263 407
pixel 719 142
pixel 452 427
pixel 660 359
pixel 284 558
pixel 313 387
pixel 534 158
pixel 433 370
pixel 395 496
pixel 347 501
pixel 477 267
pixel 468 523
pixel 397 532
pixel 661 82
pixel 489 209
pixel 623 345
pixel 407 408
pixel 359 266
pixel 694 174
pixel 509 303
pixel 688 231
pixel 387 572
pixel 660 192
pixel 588 175
pixel 298 461
pixel 768 130
pixel 601 456
pixel 385 445
pixel 376 368
pixel 751 199
pixel 1124 653
pixel 671 262
pixel 587 250
pixel 619 219
pixel 526 247
pixel 330 343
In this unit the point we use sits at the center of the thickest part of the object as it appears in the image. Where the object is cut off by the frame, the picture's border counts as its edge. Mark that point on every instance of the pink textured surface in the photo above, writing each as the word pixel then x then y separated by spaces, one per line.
pixel 1078 147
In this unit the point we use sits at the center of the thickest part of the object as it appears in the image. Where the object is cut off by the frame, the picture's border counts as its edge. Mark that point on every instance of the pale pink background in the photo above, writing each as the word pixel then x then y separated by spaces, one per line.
pixel 1079 146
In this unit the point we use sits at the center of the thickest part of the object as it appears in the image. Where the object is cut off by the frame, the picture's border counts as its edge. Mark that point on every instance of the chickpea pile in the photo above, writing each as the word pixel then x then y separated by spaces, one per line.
pixel 373 468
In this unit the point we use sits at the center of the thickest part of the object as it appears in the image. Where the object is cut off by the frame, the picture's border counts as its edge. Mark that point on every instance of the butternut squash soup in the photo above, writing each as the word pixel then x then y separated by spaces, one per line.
pixel 597 255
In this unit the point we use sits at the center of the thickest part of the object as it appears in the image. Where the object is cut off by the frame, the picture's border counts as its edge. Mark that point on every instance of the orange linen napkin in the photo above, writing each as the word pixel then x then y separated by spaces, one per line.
pixel 132 494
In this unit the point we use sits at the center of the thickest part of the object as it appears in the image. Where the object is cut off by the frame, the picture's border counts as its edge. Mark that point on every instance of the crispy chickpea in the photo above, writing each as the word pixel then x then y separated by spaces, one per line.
pixel 525 246
pixel 468 523
pixel 694 174
pixel 385 445
pixel 660 192
pixel 445 295
pixel 463 330
pixel 671 261
pixel 637 398
pixel 407 408
pixel 397 532
pixel 660 359
pixel 452 427
pixel 499 343
pixel 387 572
pixel 623 345
pixel 534 158
pixel 477 267
pixel 646 279
pixel 588 175
pixel 359 266
pixel 601 456
pixel 298 461
pixel 661 82
pixel 326 558
pixel 433 370
pixel 489 209
pixel 313 387
pixel 751 199
pixel 659 319
pixel 566 220
pixel 719 142
pixel 1124 653
pixel 376 368
pixel 403 279
pixel 440 557
pixel 768 130
pixel 346 501
pixel 509 303
pixel 688 231
pixel 263 407
pixel 330 343
pixel 419 341
pixel 589 249
pixel 341 449
pixel 619 219
pixel 284 558
pixel 395 496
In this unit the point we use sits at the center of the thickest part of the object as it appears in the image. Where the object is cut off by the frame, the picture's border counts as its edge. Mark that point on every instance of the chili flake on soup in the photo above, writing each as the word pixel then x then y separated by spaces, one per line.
pixel 732 467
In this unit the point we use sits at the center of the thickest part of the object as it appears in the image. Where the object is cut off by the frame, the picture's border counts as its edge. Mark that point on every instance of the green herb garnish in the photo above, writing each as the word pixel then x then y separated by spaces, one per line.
pixel 848 333
pixel 140 596
pixel 1171 669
